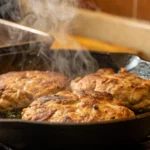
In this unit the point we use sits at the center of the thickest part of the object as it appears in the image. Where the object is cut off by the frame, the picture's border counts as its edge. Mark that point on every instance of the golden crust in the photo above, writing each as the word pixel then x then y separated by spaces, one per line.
pixel 68 107
pixel 133 91
pixel 19 89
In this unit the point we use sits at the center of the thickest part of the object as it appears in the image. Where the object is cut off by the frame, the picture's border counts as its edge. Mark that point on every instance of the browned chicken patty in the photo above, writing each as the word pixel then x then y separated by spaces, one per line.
pixel 19 89
pixel 68 107
pixel 133 91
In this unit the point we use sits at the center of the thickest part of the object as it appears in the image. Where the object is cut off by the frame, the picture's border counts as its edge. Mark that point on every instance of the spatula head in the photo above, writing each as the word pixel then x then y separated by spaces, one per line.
pixel 133 64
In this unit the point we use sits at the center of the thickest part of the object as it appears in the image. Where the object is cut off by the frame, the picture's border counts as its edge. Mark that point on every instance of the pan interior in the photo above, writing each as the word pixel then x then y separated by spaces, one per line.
pixel 49 60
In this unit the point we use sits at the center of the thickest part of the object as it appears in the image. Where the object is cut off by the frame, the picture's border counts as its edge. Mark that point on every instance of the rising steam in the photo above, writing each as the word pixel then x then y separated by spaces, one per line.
pixel 57 17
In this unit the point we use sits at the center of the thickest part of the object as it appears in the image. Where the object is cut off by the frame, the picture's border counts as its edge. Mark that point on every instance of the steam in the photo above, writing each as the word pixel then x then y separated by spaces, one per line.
pixel 90 4
pixel 56 17
pixel 51 15
pixel 9 10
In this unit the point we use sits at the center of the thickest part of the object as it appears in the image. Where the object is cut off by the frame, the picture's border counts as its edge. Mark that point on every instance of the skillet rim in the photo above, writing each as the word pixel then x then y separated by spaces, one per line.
pixel 137 117
pixel 19 121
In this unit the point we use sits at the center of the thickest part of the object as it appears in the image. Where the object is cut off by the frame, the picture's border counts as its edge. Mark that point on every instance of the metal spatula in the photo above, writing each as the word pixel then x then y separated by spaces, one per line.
pixel 132 63
pixel 15 34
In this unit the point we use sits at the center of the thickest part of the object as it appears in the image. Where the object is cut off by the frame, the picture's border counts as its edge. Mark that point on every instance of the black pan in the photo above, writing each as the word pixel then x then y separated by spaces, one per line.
pixel 20 134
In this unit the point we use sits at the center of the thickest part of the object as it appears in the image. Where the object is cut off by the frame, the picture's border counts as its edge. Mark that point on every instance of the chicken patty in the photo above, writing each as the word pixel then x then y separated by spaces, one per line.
pixel 19 89
pixel 133 91
pixel 68 107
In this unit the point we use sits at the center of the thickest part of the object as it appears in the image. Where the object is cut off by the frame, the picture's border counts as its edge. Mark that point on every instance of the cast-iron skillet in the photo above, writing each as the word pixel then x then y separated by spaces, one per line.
pixel 24 134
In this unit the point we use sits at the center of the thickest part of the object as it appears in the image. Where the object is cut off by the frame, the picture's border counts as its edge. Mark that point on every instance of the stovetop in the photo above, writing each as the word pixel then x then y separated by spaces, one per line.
pixel 142 146
pixel 145 146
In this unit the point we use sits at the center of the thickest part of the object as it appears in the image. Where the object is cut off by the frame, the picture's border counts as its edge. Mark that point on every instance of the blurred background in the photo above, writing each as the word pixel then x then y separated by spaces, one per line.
pixel 107 25
pixel 139 9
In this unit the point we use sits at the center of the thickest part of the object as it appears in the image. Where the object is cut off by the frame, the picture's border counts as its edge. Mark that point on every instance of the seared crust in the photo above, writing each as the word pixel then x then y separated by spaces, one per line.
pixel 133 91
pixel 19 89
pixel 68 107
